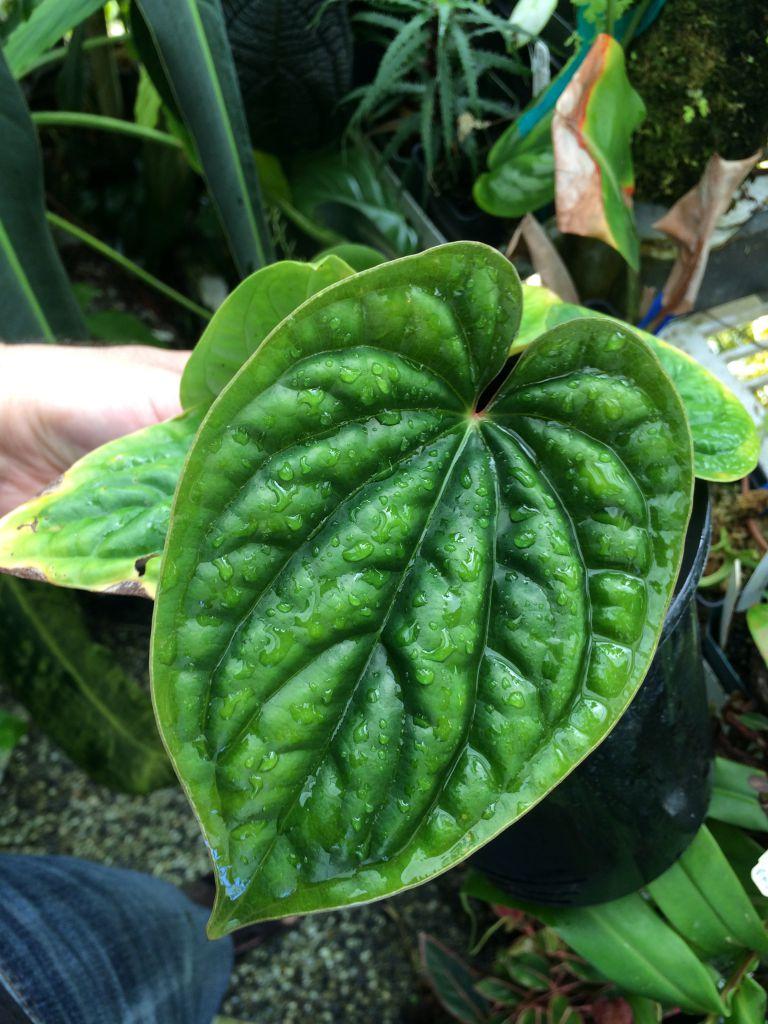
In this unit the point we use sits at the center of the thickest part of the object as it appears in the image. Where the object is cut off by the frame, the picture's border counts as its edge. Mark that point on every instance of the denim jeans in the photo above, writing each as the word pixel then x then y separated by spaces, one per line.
pixel 81 943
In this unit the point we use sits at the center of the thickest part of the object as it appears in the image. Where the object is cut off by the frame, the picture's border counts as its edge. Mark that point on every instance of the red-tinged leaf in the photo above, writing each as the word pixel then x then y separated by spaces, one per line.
pixel 691 222
pixel 612 1011
pixel 453 982
pixel 591 133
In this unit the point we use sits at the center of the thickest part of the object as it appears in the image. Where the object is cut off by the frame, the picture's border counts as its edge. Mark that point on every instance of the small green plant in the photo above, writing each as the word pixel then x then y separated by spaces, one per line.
pixel 440 78
pixel 690 944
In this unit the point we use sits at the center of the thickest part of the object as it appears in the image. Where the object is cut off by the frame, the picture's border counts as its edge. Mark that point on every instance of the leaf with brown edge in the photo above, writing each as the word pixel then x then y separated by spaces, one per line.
pixel 591 133
pixel 102 525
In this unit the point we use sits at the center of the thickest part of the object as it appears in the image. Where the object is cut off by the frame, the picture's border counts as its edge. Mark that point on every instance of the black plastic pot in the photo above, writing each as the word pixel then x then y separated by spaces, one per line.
pixel 633 806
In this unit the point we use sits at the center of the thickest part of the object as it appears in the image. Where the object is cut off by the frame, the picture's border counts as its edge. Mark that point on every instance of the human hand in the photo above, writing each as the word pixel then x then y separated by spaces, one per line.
pixel 58 402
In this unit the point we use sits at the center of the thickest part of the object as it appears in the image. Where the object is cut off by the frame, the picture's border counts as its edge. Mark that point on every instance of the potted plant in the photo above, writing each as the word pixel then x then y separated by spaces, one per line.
pixel 408 584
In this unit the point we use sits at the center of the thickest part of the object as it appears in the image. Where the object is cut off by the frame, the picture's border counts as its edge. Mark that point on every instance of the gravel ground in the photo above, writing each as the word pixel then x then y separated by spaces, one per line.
pixel 356 966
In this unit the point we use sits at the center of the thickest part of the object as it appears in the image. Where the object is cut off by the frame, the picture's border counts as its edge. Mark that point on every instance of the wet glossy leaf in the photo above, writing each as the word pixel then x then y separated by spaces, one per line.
pixel 247 316
pixel 75 691
pixel 726 443
pixel 103 524
pixel 704 900
pixel 453 982
pixel 386 625
pixel 12 729
pixel 735 799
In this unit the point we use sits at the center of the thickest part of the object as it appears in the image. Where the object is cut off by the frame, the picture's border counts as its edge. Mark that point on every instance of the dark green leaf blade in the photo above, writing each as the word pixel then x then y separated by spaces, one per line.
pixel 629 944
pixel 75 692
pixel 735 800
pixel 36 300
pixel 247 316
pixel 702 897
pixel 452 982
pixel 326 595
pixel 749 1003
pixel 191 40
pixel 102 526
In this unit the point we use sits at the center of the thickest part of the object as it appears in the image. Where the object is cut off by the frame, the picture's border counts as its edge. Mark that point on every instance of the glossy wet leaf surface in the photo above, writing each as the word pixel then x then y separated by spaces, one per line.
pixel 246 317
pixel 387 626
pixel 726 443
pixel 103 525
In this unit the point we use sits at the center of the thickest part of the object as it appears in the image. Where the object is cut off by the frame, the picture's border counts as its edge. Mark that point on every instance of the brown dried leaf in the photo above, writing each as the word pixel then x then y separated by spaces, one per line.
pixel 544 256
pixel 690 223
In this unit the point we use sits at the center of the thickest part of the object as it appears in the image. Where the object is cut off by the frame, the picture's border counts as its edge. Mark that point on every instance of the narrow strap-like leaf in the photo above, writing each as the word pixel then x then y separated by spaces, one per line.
pixel 191 40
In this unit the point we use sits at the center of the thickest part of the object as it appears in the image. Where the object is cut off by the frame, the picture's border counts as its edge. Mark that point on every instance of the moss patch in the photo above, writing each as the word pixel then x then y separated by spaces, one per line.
pixel 702 70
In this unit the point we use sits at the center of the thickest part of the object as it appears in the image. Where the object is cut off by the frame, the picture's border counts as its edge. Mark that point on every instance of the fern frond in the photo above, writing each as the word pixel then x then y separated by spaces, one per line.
pixel 427 129
pixel 379 20
pixel 476 14
pixel 466 58
pixel 445 79
pixel 392 68
pixel 497 107
pixel 487 60
pixel 407 127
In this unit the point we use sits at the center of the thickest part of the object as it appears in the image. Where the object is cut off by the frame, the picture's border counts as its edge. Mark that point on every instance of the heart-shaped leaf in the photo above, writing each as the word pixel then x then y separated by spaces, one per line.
pixel 247 316
pixel 726 443
pixel 388 623
pixel 99 526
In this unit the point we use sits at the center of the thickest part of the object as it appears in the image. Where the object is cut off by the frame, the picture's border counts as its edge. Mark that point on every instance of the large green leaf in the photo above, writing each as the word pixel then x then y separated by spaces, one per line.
pixel 75 691
pixel 99 525
pixel 521 173
pixel 191 41
pixel 735 799
pixel 49 21
pixel 253 309
pixel 592 133
pixel 388 624
pixel 350 194
pixel 294 63
pixel 35 298
pixel 702 897
pixel 726 443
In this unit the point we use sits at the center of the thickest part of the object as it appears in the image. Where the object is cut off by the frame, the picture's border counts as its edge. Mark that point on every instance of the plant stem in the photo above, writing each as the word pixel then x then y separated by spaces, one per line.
pixel 610 17
pixel 637 17
pixel 60 52
pixel 75 119
pixel 750 960
pixel 133 268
